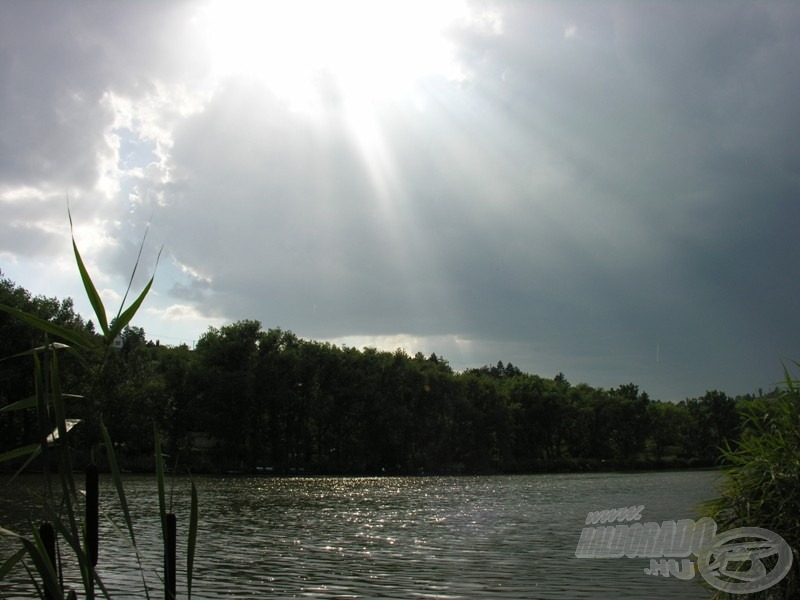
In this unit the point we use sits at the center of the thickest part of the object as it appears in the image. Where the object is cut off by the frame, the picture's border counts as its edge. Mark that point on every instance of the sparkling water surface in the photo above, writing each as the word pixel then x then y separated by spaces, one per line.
pixel 383 537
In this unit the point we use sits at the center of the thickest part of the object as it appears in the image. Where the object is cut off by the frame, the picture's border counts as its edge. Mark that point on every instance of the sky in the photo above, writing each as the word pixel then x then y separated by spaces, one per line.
pixel 605 189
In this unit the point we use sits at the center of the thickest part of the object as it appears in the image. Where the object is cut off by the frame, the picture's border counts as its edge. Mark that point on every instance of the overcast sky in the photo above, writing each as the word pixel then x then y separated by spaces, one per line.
pixel 608 189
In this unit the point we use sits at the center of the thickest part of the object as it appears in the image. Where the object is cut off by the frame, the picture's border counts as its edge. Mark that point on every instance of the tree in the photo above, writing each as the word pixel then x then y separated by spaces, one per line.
pixel 716 422
pixel 18 428
pixel 626 410
pixel 670 429
pixel 277 375
pixel 228 406
pixel 132 338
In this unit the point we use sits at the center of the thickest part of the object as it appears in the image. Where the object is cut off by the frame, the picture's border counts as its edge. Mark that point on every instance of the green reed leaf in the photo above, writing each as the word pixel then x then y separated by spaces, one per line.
pixel 61 425
pixel 11 562
pixel 41 561
pixel 20 405
pixel 125 317
pixel 162 501
pixel 133 272
pixel 30 402
pixel 74 542
pixel 117 478
pixel 42 419
pixel 193 519
pixel 28 461
pixel 37 587
pixel 16 453
pixel 74 337
pixel 88 285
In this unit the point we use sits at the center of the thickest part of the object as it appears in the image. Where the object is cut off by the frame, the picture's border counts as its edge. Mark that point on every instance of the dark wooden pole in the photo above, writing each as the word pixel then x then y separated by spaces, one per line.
pixel 92 522
pixel 48 535
pixel 92 513
pixel 170 544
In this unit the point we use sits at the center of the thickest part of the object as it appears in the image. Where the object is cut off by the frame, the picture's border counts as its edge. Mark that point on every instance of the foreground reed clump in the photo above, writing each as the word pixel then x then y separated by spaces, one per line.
pixel 69 533
pixel 761 488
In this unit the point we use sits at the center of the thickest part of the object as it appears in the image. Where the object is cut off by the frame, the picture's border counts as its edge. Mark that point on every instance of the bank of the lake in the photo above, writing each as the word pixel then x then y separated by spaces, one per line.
pixel 395 537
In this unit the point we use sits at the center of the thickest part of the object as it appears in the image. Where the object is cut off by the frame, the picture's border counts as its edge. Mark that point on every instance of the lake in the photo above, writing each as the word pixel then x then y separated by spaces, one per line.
pixel 388 537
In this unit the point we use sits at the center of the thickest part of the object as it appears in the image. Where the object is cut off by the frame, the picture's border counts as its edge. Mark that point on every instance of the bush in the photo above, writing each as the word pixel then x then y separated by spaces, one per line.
pixel 761 487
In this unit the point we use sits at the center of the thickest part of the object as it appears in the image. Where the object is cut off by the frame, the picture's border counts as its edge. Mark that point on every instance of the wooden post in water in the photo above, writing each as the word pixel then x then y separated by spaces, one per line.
pixel 92 513
pixel 92 519
pixel 170 544
pixel 48 535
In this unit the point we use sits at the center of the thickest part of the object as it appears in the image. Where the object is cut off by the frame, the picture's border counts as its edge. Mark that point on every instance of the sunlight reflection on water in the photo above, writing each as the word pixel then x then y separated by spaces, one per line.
pixel 387 537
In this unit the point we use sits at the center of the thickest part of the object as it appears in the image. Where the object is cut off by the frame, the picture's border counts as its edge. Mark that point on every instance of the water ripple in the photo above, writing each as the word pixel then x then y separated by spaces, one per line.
pixel 417 537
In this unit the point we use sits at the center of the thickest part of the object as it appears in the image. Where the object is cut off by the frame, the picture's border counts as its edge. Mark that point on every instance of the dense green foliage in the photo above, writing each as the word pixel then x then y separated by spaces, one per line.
pixel 762 484
pixel 245 399
pixel 16 381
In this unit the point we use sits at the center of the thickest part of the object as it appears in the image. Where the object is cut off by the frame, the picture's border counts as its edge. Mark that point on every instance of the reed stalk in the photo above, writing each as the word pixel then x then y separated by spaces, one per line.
pixel 64 531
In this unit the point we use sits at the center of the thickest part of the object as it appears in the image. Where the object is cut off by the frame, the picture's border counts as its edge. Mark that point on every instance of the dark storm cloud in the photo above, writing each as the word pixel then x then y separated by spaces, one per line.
pixel 682 158
pixel 613 191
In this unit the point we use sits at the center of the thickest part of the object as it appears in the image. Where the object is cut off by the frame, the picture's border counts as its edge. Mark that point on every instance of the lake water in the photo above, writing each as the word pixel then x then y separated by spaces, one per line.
pixel 389 537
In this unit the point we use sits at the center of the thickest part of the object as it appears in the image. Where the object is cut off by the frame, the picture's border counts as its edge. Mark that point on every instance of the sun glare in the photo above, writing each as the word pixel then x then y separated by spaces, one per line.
pixel 308 51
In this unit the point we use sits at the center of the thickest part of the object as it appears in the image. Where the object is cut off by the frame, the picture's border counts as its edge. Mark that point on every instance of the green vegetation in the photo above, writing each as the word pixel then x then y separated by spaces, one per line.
pixel 250 400
pixel 762 484
pixel 36 429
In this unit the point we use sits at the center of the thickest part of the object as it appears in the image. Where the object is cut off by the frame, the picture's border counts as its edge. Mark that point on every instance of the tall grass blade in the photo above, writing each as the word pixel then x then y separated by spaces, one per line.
pixel 162 502
pixel 39 591
pixel 4 531
pixel 34 455
pixel 50 408
pixel 122 534
pixel 43 421
pixel 193 519
pixel 68 489
pixel 61 424
pixel 125 317
pixel 117 478
pixel 11 562
pixel 88 285
pixel 87 571
pixel 130 544
pixel 38 553
pixel 30 403
pixel 23 451
pixel 133 272
pixel 74 337
pixel 162 505
pixel 130 284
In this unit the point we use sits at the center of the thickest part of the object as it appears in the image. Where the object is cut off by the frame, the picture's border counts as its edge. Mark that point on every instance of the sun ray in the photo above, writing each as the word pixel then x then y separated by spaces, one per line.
pixel 357 67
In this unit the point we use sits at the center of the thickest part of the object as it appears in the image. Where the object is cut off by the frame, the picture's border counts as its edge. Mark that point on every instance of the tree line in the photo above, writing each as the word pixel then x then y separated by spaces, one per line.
pixel 249 400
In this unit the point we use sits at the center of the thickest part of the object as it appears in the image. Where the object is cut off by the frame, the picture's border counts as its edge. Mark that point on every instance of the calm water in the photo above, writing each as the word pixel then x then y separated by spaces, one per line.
pixel 391 537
